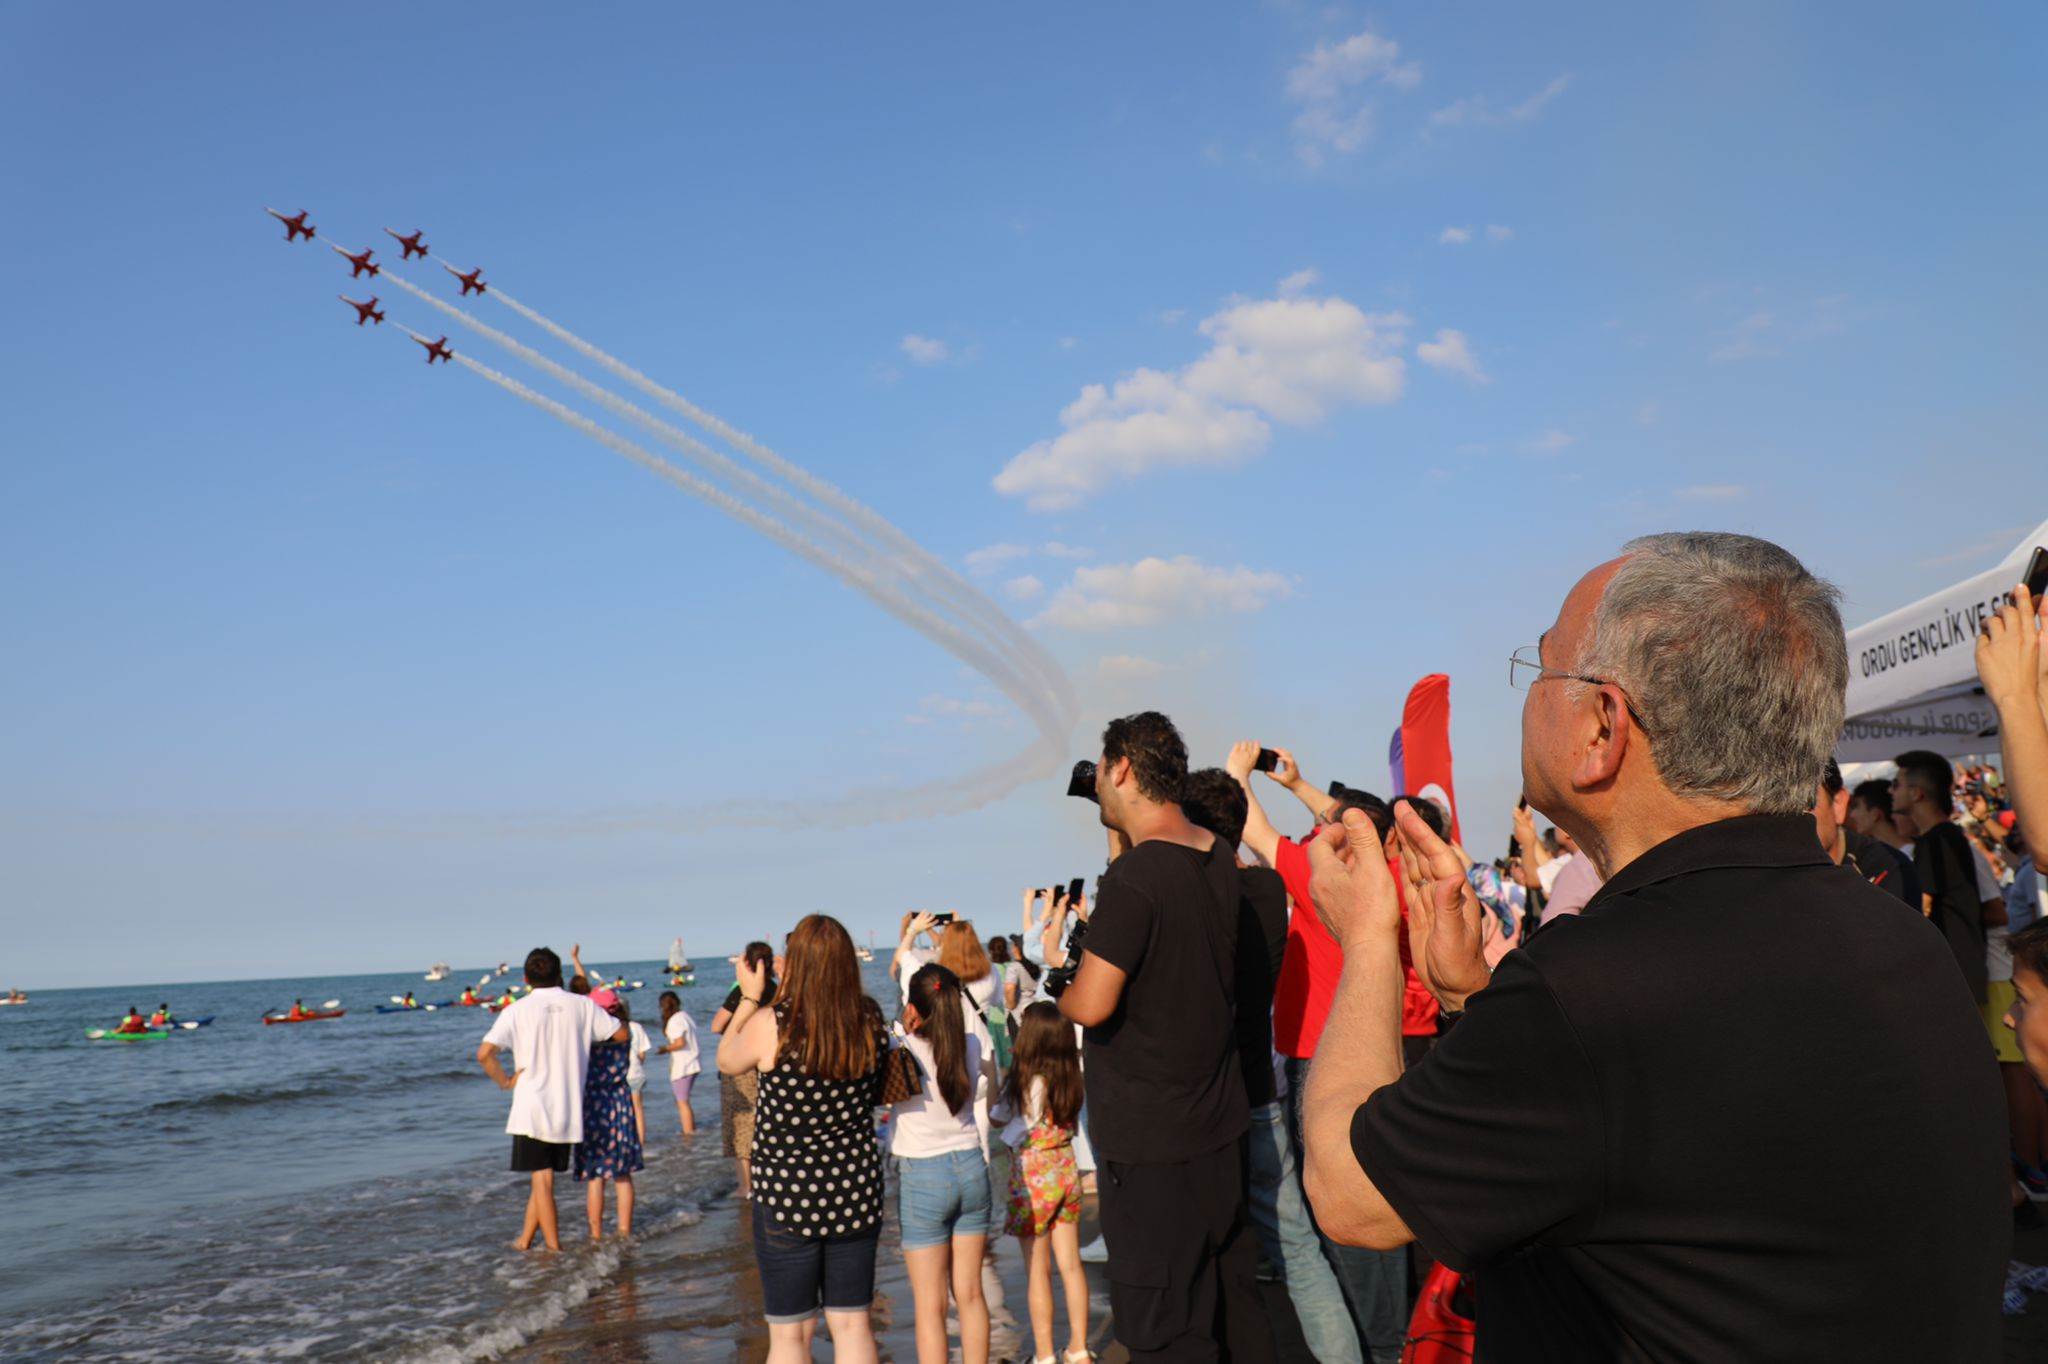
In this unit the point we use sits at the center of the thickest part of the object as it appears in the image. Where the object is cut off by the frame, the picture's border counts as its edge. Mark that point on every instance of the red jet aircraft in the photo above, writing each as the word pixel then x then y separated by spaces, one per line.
pixel 437 350
pixel 357 263
pixel 365 312
pixel 295 226
pixel 409 246
pixel 473 281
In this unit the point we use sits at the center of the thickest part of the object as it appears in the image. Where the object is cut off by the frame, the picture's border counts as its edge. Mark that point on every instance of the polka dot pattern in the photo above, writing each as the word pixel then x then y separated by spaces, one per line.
pixel 817 1164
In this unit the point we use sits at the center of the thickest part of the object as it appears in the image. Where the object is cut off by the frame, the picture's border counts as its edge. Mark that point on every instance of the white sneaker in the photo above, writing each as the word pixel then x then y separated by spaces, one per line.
pixel 1096 1252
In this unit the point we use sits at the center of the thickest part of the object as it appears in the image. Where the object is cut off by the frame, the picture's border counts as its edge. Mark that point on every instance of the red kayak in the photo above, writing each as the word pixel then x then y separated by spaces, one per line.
pixel 304 1017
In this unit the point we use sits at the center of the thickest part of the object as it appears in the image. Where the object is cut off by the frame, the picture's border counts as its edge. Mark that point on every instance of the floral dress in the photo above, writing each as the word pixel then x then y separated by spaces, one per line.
pixel 817 1165
pixel 611 1144
pixel 1045 1183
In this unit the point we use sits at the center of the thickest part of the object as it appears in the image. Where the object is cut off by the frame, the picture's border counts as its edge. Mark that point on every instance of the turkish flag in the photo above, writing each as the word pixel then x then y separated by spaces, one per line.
pixel 1421 750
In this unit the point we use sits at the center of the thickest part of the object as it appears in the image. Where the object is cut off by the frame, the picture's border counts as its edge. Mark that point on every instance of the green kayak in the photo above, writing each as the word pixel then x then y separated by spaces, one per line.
pixel 98 1036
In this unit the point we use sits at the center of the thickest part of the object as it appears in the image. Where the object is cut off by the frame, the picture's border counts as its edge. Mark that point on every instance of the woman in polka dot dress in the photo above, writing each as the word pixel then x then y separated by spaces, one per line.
pixel 817 1169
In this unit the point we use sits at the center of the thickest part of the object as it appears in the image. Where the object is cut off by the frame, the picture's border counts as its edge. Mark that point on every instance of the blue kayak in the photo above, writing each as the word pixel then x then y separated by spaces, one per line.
pixel 414 1008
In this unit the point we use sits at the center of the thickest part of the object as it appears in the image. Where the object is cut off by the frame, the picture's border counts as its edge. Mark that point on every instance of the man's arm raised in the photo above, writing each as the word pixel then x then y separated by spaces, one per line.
pixel 1360 1049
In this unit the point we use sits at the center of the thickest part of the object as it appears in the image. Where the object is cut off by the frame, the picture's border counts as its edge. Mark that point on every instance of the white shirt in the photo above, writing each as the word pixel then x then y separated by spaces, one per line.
pixel 1547 874
pixel 914 960
pixel 637 1046
pixel 550 1033
pixel 983 990
pixel 1020 1124
pixel 682 1061
pixel 922 1126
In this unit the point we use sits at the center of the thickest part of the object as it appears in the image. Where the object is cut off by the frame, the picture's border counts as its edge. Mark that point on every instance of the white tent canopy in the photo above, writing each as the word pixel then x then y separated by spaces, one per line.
pixel 1913 673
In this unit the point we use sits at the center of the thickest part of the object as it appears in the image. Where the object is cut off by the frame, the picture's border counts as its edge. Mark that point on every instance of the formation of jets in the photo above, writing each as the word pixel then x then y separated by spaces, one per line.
pixel 295 226
pixel 360 264
pixel 408 246
pixel 365 312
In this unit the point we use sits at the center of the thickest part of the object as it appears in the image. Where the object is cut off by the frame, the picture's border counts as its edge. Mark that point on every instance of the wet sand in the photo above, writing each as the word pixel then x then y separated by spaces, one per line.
pixel 706 1305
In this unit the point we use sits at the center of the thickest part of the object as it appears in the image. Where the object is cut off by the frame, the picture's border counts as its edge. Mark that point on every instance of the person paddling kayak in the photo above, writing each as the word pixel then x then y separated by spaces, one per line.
pixel 469 996
pixel 409 1002
pixel 133 1022
pixel 298 1010
pixel 162 1017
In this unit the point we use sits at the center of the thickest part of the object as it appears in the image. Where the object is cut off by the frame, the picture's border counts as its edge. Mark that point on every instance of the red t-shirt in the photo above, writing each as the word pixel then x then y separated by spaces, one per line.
pixel 1309 970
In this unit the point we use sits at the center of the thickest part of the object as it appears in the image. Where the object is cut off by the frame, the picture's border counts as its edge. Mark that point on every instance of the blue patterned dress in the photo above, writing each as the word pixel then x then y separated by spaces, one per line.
pixel 611 1144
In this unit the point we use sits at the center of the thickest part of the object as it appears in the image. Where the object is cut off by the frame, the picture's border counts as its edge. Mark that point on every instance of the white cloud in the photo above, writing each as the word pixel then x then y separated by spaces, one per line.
pixel 1649 414
pixel 1479 111
pixel 1452 351
pixel 1054 549
pixel 1025 588
pixel 1764 334
pixel 1550 442
pixel 1068 343
pixel 1298 281
pixel 1171 317
pixel 1154 591
pixel 1331 85
pixel 1290 360
pixel 1129 667
pixel 1712 492
pixel 988 557
pixel 924 350
pixel 1497 232
pixel 1454 236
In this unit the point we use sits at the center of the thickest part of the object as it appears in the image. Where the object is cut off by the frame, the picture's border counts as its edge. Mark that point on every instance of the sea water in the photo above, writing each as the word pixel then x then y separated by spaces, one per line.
pixel 323 1190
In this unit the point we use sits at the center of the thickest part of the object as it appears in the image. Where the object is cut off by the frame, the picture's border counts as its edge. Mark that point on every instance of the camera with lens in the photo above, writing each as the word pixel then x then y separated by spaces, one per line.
pixel 1060 977
pixel 1082 783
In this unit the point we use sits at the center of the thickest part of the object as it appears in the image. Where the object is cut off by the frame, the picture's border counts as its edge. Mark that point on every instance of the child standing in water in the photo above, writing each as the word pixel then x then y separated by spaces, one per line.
pixel 610 1149
pixel 683 1062
pixel 1042 1097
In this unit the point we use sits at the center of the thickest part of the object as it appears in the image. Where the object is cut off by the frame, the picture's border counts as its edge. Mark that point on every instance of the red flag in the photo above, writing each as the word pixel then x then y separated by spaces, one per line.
pixel 1425 745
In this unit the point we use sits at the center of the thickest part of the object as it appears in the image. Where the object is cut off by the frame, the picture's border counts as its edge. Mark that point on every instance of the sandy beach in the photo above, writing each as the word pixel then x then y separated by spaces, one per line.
pixel 706 1306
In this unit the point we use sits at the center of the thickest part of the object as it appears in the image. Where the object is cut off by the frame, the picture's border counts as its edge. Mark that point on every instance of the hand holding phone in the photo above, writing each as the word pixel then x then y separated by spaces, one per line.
pixel 1268 759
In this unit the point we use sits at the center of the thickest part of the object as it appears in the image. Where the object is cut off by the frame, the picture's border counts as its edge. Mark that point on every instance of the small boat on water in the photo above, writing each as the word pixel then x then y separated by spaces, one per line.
pixel 866 953
pixel 439 971
pixel 680 972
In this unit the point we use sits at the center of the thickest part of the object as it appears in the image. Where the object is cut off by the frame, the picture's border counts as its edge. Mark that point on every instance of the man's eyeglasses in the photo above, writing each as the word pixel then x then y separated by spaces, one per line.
pixel 1526 668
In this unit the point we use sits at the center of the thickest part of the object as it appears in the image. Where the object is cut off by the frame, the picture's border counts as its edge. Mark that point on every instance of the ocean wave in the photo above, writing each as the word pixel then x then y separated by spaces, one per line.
pixel 323 1087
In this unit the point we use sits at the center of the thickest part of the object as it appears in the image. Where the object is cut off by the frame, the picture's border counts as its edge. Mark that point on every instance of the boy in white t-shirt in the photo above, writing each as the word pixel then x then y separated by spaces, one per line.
pixel 550 1033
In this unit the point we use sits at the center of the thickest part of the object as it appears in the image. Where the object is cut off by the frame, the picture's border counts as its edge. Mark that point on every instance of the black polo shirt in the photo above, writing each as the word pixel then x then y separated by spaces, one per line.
pixel 1740 1108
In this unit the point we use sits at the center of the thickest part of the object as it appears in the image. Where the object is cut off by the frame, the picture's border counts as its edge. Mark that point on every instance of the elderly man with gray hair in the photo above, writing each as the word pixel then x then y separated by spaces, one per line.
pixel 1631 1136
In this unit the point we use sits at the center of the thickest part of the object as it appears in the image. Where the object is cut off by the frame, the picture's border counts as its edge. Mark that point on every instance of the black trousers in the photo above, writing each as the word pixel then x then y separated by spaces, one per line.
pixel 1182 1259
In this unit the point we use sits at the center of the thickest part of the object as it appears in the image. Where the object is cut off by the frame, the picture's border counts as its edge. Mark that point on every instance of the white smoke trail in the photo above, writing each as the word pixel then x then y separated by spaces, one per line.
pixel 1025 664
pixel 955 588
pixel 1053 725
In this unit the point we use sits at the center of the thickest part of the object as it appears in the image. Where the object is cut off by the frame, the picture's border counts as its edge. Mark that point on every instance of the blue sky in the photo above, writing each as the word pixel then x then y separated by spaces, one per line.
pixel 1401 317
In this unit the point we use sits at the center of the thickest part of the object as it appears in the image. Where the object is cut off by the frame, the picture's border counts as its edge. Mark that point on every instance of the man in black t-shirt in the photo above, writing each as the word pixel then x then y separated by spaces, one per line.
pixel 1156 992
pixel 1627 1132
pixel 1875 862
pixel 1216 799
pixel 1924 793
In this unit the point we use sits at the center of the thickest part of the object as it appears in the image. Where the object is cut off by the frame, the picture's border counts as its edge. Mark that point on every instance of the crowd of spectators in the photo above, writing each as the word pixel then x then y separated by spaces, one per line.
pixel 1597 1083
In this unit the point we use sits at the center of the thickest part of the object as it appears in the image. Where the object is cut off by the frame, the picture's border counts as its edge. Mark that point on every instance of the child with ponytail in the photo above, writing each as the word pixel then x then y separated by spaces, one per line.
pixel 939 1138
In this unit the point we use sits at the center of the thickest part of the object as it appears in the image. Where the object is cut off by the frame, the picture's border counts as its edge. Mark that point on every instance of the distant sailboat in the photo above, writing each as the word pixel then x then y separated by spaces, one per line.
pixel 439 971
pixel 866 953
pixel 680 972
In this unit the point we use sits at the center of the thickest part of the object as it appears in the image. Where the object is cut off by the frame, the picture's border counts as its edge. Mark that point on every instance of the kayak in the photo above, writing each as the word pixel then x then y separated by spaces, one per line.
pixel 305 1017
pixel 414 1008
pixel 111 1036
